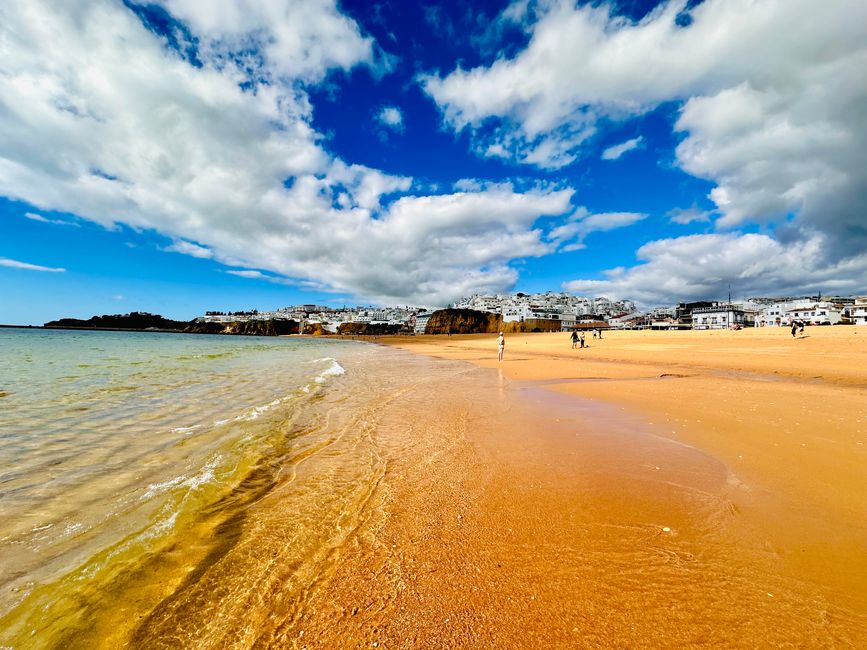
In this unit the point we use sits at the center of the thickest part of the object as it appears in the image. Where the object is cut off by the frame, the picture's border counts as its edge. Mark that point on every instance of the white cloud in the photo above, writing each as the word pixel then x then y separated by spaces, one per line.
pixel 614 152
pixel 703 266
pixel 684 216
pixel 189 248
pixel 247 273
pixel 251 274
pixel 391 117
pixel 570 235
pixel 773 94
pixel 59 222
pixel 297 39
pixel 15 264
pixel 101 119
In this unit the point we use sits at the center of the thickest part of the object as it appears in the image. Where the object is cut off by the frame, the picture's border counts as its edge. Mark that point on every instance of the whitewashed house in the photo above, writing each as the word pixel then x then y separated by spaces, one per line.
pixel 858 312
pixel 421 321
pixel 819 313
pixel 722 316
pixel 773 316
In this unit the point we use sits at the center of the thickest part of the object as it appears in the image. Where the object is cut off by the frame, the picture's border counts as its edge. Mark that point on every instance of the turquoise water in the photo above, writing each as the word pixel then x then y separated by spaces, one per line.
pixel 116 446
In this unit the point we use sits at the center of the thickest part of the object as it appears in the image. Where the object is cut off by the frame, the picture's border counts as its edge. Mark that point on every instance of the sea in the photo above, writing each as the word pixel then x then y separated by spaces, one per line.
pixel 132 463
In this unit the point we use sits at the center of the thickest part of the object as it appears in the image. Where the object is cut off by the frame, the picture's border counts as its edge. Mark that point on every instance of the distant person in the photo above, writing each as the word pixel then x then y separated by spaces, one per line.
pixel 794 329
pixel 600 335
pixel 582 340
pixel 594 332
pixel 501 345
pixel 801 327
pixel 575 339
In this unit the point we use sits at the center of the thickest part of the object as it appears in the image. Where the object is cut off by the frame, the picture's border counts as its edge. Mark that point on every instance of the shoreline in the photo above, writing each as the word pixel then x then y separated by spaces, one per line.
pixel 790 421
pixel 431 497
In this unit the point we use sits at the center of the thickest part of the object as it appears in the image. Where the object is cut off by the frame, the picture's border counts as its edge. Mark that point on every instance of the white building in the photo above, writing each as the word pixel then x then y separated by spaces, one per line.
pixel 421 322
pixel 858 313
pixel 777 315
pixel 819 313
pixel 722 316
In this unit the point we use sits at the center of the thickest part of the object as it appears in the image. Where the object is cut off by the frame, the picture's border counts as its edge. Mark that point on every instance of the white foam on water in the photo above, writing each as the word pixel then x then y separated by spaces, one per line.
pixel 334 370
pixel 187 430
pixel 191 482
pixel 254 413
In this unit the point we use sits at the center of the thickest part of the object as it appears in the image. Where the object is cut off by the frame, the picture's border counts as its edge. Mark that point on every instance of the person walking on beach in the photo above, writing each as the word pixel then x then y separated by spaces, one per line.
pixel 794 329
pixel 501 345
pixel 575 339
pixel 600 335
pixel 582 340
pixel 801 327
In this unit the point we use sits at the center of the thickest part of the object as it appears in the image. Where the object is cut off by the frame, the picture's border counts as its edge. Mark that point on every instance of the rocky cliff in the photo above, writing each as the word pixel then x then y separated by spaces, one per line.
pixel 247 328
pixel 463 321
pixel 368 329
pixel 470 321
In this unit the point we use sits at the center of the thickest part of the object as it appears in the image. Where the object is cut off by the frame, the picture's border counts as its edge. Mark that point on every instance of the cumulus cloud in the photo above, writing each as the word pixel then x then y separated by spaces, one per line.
pixel 15 264
pixel 570 235
pixel 103 119
pixel 772 100
pixel 614 152
pixel 391 117
pixel 287 40
pixel 703 266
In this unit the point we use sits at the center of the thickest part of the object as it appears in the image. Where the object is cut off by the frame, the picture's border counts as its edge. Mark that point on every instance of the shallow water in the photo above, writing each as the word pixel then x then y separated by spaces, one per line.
pixel 117 449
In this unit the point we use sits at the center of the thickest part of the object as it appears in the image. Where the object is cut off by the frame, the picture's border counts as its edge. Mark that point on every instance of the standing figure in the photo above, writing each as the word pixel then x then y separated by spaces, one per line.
pixel 794 329
pixel 575 339
pixel 801 327
pixel 582 340
pixel 501 345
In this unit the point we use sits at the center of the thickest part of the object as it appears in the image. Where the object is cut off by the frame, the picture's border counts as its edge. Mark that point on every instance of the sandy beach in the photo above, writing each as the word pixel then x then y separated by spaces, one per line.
pixel 686 489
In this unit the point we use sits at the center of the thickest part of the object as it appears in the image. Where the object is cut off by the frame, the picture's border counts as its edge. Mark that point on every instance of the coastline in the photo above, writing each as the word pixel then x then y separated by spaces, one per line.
pixel 442 499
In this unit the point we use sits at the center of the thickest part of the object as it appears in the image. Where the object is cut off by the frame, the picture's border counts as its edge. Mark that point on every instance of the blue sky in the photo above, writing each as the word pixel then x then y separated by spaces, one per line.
pixel 173 158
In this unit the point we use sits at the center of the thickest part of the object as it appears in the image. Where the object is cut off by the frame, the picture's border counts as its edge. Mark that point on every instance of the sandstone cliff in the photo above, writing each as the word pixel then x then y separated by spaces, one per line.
pixel 470 321
pixel 368 329
pixel 248 328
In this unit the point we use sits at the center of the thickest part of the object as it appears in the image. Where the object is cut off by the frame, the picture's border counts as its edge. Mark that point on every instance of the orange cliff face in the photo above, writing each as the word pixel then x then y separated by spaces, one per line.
pixel 470 321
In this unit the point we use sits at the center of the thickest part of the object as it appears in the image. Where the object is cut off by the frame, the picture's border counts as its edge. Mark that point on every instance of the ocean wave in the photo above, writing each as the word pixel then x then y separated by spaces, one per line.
pixel 334 370
pixel 186 430
pixel 191 482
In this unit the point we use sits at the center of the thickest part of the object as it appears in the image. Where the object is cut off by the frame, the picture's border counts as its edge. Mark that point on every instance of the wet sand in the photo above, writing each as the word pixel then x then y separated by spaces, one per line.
pixel 671 489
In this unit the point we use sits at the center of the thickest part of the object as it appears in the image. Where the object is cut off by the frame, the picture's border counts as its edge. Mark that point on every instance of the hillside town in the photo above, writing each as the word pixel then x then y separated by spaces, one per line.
pixel 561 311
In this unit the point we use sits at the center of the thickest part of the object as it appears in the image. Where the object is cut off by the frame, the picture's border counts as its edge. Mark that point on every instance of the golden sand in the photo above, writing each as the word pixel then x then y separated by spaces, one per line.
pixel 712 492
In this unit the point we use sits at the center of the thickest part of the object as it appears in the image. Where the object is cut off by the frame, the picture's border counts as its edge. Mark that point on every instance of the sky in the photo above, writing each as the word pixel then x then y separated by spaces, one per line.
pixel 176 156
